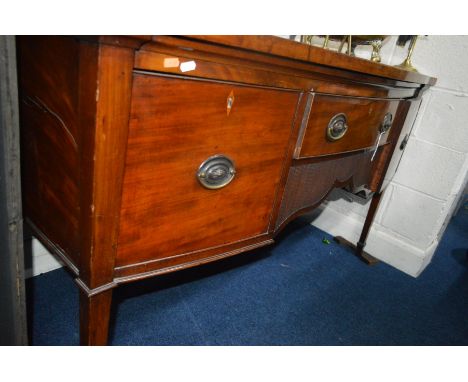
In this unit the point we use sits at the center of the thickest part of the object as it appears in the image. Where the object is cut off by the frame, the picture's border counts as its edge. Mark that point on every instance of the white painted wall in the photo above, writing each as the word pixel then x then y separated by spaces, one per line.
pixel 420 199
pixel 40 261
pixel 432 174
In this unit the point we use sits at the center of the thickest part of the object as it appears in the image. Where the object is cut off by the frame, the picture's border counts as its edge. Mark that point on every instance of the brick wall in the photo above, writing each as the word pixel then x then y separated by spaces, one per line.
pixel 432 174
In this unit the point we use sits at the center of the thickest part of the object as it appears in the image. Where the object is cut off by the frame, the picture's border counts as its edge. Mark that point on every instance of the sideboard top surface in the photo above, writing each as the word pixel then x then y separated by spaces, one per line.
pixel 281 47
pixel 296 50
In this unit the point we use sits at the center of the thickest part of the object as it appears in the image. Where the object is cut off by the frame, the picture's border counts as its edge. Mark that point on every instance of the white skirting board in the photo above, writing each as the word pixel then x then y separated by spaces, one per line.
pixel 41 261
pixel 380 244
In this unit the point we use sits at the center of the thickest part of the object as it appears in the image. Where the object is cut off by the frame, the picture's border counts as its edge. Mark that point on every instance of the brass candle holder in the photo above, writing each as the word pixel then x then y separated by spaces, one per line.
pixel 406 64
pixel 347 43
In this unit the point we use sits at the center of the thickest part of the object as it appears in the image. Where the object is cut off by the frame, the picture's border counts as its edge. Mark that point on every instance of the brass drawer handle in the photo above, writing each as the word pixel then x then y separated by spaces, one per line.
pixel 216 172
pixel 337 127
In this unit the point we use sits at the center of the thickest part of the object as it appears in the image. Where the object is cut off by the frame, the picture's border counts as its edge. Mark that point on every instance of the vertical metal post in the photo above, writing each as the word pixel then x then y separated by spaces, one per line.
pixel 12 291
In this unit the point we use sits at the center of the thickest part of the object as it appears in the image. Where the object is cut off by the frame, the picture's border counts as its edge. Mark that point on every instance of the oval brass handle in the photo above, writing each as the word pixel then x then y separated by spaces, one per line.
pixel 216 172
pixel 337 127
pixel 386 123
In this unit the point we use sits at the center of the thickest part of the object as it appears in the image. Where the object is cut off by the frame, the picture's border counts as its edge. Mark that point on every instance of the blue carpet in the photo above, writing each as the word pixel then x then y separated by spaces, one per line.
pixel 297 292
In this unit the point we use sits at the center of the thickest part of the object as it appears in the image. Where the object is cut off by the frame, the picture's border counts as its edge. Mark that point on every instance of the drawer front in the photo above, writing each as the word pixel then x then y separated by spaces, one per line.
pixel 343 124
pixel 182 130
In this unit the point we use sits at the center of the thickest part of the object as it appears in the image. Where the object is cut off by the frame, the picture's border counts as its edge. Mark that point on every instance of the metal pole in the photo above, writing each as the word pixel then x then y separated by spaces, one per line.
pixel 13 327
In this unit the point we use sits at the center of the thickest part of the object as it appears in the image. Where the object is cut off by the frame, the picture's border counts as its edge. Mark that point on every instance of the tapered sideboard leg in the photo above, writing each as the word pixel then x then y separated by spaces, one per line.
pixel 94 317
pixel 358 248
pixel 367 224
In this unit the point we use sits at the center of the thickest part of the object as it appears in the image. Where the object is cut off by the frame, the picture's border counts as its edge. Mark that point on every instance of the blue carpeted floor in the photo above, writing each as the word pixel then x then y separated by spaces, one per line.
pixel 297 292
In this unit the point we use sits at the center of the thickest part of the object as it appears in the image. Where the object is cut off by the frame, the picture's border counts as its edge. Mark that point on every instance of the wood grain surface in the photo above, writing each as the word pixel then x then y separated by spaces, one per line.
pixel 114 129
pixel 228 63
pixel 175 125
pixel 282 47
pixel 48 79
pixel 309 183
pixel 364 118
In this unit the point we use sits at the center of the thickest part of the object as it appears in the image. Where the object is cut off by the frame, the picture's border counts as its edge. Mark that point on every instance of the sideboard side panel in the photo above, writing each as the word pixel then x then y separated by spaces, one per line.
pixel 48 82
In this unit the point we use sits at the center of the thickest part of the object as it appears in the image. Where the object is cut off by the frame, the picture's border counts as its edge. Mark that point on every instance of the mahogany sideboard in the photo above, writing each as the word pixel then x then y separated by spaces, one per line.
pixel 143 155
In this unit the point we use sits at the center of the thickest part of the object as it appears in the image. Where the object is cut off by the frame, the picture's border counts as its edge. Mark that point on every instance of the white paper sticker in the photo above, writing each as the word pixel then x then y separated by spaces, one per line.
pixel 188 66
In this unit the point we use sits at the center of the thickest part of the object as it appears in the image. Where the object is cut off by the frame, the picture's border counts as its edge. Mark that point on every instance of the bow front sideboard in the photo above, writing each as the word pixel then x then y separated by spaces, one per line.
pixel 143 155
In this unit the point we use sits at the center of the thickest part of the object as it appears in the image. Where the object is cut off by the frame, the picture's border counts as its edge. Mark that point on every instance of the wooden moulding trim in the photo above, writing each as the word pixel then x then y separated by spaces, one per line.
pixel 92 292
pixel 365 97
pixel 125 279
pixel 252 239
pixel 319 158
pixel 132 42
pixel 147 72
pixel 52 247
pixel 245 242
pixel 304 122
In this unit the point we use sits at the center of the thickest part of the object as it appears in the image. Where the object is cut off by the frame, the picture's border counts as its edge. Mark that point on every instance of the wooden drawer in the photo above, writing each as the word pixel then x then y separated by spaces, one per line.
pixel 175 125
pixel 363 117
